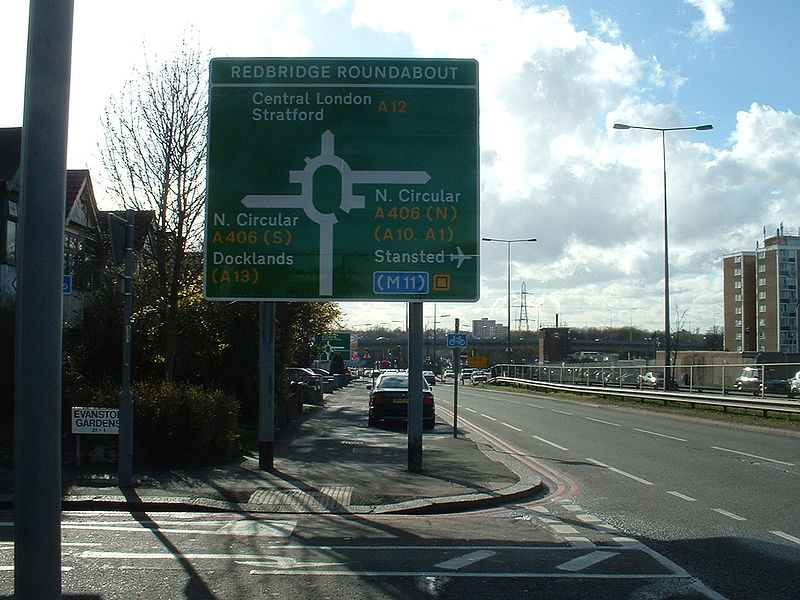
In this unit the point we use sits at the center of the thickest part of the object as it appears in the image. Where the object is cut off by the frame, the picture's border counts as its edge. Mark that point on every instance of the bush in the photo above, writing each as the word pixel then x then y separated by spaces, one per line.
pixel 178 424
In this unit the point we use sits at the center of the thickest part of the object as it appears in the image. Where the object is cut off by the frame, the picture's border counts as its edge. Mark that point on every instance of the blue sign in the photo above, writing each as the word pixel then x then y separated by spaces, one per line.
pixel 400 282
pixel 456 340
pixel 67 285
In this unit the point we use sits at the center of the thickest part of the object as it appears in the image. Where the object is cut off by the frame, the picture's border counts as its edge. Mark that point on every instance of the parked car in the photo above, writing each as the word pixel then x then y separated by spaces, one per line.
pixel 448 376
pixel 655 380
pixel 466 374
pixel 430 377
pixel 388 400
pixel 479 377
pixel 328 380
pixel 305 375
pixel 750 380
pixel 793 386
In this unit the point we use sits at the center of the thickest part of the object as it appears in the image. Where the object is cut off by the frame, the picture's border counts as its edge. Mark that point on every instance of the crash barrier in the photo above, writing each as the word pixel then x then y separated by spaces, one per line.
pixel 699 378
pixel 693 399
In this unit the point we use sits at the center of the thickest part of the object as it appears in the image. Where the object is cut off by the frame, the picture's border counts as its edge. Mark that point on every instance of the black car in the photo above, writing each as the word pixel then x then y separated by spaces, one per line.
pixel 388 400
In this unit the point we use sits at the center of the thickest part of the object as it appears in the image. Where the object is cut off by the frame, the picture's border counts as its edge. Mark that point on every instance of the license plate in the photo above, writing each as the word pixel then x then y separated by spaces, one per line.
pixel 400 400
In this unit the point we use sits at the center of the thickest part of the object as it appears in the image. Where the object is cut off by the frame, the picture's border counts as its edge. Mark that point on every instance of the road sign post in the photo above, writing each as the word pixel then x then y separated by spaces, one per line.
pixel 342 179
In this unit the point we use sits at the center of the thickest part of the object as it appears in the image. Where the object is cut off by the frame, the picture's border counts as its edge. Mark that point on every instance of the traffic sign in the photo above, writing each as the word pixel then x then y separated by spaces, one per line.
pixel 457 340
pixel 342 179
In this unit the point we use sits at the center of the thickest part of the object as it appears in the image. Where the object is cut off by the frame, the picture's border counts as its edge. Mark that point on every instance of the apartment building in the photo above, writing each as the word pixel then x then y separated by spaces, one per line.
pixel 487 329
pixel 760 296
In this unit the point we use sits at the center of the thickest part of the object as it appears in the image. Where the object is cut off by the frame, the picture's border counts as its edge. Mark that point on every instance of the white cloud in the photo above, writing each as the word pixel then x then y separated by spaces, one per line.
pixel 713 21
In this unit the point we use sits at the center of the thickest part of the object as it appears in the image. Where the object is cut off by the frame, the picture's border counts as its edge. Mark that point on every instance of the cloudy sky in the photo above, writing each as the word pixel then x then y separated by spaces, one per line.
pixel 554 78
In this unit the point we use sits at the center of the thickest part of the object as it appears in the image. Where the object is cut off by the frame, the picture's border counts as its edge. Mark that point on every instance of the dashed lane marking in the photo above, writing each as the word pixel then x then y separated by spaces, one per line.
pixel 620 472
pixel 512 427
pixel 730 515
pixel 603 422
pixel 488 417
pixel 541 439
pixel 683 496
pixel 780 462
pixel 786 536
pixel 663 435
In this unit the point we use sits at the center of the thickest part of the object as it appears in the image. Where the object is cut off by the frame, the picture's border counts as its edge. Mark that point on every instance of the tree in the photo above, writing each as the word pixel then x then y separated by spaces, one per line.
pixel 154 157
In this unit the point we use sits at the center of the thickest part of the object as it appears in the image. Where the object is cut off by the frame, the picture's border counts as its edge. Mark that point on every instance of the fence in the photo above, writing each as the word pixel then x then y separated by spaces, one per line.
pixel 723 378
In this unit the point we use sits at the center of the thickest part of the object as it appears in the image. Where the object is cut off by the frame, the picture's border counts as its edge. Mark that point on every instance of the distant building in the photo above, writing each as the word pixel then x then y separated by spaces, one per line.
pixel 487 329
pixel 760 296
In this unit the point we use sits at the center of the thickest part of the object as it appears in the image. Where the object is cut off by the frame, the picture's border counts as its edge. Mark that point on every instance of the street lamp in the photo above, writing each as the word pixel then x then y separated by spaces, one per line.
pixel 508 278
pixel 434 335
pixel 663 130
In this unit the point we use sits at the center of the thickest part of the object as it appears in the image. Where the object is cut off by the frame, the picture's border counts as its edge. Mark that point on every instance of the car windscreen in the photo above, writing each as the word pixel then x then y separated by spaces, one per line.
pixel 396 382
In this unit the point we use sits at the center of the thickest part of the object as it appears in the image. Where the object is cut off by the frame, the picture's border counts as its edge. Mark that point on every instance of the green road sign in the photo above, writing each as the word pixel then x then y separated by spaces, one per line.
pixel 342 179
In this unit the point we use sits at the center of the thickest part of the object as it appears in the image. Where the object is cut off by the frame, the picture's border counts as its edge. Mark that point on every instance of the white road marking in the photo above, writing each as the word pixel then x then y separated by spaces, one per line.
pixel 591 519
pixel 603 422
pixel 620 472
pixel 260 528
pixel 470 409
pixel 786 536
pixel 663 435
pixel 541 439
pixel 460 562
pixel 564 529
pixel 563 412
pixel 488 417
pixel 683 496
pixel 512 427
pixel 780 462
pixel 730 515
pixel 586 561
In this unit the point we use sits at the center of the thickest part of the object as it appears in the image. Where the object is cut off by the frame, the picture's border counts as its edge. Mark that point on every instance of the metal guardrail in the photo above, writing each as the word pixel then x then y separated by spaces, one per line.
pixel 764 405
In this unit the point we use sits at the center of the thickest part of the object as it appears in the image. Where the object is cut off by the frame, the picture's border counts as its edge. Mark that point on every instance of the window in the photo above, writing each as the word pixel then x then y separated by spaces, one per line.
pixel 737 259
pixel 738 323
pixel 737 298
pixel 762 281
pixel 738 335
pixel 737 284
pixel 762 295
pixel 737 272
pixel 762 335
pixel 738 310
pixel 762 308
pixel 762 268
pixel 761 254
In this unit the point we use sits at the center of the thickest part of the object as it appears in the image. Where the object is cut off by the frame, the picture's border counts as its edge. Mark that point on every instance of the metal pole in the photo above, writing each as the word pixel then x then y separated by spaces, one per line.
pixel 456 374
pixel 40 247
pixel 125 441
pixel 415 351
pixel 667 342
pixel 508 292
pixel 266 386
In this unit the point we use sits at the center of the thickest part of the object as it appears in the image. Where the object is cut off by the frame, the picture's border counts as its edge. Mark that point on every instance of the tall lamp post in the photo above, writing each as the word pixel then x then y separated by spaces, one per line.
pixel 664 130
pixel 508 279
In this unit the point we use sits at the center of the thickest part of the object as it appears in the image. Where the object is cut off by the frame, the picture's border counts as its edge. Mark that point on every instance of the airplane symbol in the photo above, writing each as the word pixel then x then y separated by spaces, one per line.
pixel 460 257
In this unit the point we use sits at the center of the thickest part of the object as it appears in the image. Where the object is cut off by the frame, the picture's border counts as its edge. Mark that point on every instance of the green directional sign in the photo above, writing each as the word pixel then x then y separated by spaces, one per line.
pixel 342 179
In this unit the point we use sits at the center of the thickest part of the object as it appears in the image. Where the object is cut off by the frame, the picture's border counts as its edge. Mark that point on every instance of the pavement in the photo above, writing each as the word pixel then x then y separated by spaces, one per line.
pixel 327 461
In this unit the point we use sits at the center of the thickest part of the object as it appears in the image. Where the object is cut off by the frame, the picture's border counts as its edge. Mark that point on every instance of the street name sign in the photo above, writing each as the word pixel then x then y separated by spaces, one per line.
pixel 342 179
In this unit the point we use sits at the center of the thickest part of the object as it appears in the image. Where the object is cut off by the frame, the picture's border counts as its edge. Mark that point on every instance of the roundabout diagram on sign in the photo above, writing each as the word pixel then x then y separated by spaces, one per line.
pixel 349 200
